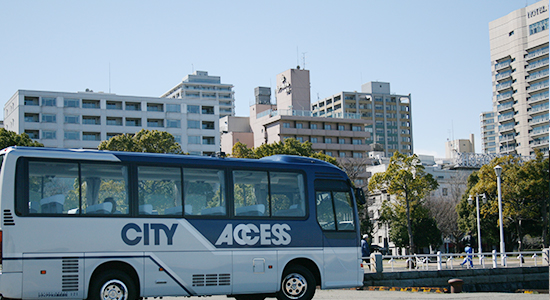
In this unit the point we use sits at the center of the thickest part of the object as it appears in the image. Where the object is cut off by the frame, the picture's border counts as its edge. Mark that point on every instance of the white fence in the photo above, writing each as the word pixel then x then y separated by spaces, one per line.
pixel 449 261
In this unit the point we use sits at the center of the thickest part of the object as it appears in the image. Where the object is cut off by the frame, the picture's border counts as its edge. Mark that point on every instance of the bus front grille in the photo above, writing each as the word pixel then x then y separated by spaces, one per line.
pixel 70 280
pixel 211 279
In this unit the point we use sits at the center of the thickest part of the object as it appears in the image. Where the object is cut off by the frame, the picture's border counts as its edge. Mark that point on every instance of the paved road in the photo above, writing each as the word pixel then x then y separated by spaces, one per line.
pixel 364 295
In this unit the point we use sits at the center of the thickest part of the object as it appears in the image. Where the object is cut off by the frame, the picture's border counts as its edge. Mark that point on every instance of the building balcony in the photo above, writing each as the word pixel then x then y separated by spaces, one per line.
pixel 503 75
pixel 537 87
pixel 537 64
pixel 503 86
pixel 538 120
pixel 506 127
pixel 505 106
pixel 507 138
pixel 542 130
pixel 538 97
pixel 506 117
pixel 505 96
pixel 503 65
pixel 539 142
pixel 537 75
pixel 537 108
pixel 508 148
pixel 537 53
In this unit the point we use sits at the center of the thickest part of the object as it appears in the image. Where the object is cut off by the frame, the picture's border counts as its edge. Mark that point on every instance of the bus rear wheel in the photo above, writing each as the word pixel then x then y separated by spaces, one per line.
pixel 113 285
pixel 298 284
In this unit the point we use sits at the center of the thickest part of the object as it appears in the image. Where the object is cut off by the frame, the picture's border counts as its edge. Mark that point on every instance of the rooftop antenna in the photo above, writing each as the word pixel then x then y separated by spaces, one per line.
pixel 297 57
pixel 304 60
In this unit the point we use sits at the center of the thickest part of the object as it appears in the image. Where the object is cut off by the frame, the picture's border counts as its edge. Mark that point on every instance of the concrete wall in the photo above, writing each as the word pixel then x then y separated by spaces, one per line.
pixel 475 280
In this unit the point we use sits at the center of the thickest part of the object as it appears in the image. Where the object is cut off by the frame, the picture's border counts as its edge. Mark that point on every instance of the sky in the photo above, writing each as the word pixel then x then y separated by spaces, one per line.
pixel 437 51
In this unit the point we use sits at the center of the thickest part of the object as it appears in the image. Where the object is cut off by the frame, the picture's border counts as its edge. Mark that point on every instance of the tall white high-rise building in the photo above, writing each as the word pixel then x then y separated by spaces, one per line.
pixel 201 86
pixel 519 59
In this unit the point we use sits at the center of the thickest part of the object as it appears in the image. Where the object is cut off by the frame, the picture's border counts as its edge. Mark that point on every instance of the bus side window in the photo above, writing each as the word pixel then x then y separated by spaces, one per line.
pixel 53 187
pixel 204 192
pixel 325 210
pixel 334 205
pixel 104 189
pixel 159 191
pixel 287 194
pixel 251 193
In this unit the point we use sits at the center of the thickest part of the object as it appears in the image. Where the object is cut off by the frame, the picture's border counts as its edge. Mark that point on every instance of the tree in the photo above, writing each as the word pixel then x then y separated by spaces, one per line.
pixel 10 138
pixel 152 141
pixel 524 199
pixel 289 146
pixel 406 179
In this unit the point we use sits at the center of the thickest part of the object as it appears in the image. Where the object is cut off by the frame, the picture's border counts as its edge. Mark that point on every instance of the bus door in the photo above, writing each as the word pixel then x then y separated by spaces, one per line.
pixel 336 216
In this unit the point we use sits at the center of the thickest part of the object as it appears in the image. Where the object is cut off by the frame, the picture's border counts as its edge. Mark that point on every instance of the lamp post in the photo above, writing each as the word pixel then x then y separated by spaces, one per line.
pixel 470 200
pixel 498 171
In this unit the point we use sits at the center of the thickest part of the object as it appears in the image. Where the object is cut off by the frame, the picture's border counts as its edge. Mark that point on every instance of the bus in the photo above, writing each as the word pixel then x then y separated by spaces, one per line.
pixel 100 225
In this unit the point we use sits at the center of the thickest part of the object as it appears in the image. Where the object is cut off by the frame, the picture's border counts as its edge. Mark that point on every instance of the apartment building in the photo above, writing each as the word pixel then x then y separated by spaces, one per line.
pixel 84 119
pixel 201 86
pixel 489 132
pixel 389 114
pixel 337 136
pixel 519 60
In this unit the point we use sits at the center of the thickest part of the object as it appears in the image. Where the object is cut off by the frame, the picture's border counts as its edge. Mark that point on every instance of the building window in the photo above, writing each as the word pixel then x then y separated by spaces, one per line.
pixel 356 128
pixel 91 136
pixel 342 154
pixel 91 120
pixel 313 126
pixel 207 110
pixel 111 135
pixel 208 125
pixel 48 135
pixel 72 135
pixel 113 121
pixel 72 119
pixel 48 118
pixel 173 123
pixel 314 140
pixel 133 122
pixel 357 155
pixel 90 104
pixel 71 103
pixel 341 127
pixel 193 124
pixel 193 109
pixel 341 141
pixel 300 139
pixel 33 134
pixel 444 192
pixel 286 125
pixel 154 107
pixel 194 140
pixel 328 140
pixel 155 123
pixel 173 108
pixel 177 138
pixel 32 101
pixel 357 142
pixel 134 106
pixel 328 127
pixel 208 140
pixel 49 101
pixel 299 125
pixel 329 153
pixel 116 105
pixel 538 27
pixel 31 117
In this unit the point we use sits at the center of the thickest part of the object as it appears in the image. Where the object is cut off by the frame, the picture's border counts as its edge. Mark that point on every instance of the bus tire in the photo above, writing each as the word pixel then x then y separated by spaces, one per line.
pixel 112 285
pixel 298 284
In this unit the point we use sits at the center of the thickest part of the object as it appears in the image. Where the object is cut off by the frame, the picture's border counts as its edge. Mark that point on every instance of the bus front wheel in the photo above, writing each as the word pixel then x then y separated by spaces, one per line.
pixel 113 285
pixel 298 284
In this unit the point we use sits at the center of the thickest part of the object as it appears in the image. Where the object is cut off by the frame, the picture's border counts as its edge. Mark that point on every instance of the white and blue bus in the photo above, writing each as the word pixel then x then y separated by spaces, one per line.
pixel 98 225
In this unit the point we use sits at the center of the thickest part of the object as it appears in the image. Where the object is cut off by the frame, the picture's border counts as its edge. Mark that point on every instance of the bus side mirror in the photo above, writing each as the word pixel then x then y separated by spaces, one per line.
pixel 360 196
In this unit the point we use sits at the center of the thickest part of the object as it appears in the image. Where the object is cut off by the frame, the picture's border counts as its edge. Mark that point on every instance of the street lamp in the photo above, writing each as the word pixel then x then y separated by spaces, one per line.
pixel 498 171
pixel 470 200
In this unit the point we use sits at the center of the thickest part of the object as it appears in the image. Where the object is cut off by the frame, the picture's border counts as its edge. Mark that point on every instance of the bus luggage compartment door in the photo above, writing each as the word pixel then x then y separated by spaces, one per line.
pixel 53 276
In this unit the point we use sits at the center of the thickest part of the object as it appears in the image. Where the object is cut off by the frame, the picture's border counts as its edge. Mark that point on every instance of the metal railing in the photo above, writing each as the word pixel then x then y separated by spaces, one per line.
pixel 450 261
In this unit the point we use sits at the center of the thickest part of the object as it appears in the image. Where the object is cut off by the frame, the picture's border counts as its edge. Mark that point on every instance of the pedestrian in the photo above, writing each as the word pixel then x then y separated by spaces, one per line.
pixel 365 248
pixel 468 258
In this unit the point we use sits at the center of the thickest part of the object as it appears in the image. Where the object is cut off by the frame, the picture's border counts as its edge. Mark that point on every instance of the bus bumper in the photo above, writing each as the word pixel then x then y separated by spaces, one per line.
pixel 10 285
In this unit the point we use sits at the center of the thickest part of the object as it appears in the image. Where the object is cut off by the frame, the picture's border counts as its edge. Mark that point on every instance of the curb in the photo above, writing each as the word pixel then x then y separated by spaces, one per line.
pixel 405 289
